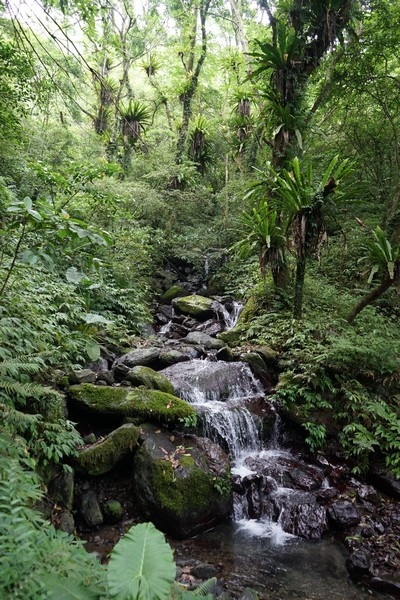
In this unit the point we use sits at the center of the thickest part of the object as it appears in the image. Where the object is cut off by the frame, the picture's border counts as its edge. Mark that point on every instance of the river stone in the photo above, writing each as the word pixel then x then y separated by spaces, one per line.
pixel 211 327
pixel 99 365
pixel 249 594
pixel 171 357
pixel 368 493
pixel 83 376
pixel 61 489
pixel 119 402
pixel 204 571
pixel 90 509
pixel 232 337
pixel 182 483
pixel 306 477
pixel 101 457
pixel 344 514
pixel 202 339
pixel 150 379
pixel 358 563
pixel 175 291
pixel 256 364
pixel 216 380
pixel 305 520
pixel 195 306
pixel 141 356
pixel 66 522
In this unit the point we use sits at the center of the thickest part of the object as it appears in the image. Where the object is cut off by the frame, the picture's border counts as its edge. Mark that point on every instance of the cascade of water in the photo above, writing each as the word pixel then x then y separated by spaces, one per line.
pixel 231 317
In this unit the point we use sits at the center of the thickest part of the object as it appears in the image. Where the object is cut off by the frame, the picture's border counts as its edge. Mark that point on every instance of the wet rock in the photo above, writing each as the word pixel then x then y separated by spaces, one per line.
pixel 306 478
pixel 113 511
pixel 204 571
pixel 66 522
pixel 367 493
pixel 145 357
pixel 327 493
pixel 358 563
pixel 82 376
pixel 99 365
pixel 120 372
pixel 182 483
pixel 218 380
pixel 344 514
pixel 305 520
pixel 90 509
pixel 386 585
pixel 177 331
pixel 106 376
pixel 204 340
pixel 104 455
pixel 61 489
pixel 256 364
pixel 150 379
pixel 149 405
pixel 195 306
pixel 211 327
pixel 167 311
pixel 225 354
pixel 232 337
pixel 172 357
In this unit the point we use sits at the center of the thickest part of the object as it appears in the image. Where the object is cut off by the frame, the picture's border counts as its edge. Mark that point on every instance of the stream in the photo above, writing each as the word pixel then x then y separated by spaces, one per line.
pixel 259 548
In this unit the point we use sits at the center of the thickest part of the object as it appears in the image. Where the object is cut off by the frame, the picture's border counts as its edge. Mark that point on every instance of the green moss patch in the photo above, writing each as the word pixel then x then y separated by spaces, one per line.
pixel 150 379
pixel 194 306
pixel 149 405
pixel 101 457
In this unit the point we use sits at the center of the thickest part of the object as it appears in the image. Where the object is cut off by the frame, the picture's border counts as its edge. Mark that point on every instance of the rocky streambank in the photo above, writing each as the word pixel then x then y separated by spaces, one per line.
pixel 148 452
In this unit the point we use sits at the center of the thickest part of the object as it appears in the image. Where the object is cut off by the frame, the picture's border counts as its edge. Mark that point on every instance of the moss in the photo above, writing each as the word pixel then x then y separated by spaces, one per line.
pixel 104 455
pixel 181 495
pixel 195 306
pixel 150 405
pixel 150 379
pixel 250 310
pixel 173 292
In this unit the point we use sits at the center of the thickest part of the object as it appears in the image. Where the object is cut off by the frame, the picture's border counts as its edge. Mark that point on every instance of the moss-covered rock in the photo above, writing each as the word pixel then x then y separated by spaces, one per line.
pixel 182 483
pixel 148 405
pixel 150 379
pixel 101 457
pixel 113 511
pixel 195 306
pixel 175 291
pixel 232 337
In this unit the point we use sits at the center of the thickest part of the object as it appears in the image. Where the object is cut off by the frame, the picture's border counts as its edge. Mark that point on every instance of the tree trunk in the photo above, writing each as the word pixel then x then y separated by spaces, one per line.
pixel 299 288
pixel 373 295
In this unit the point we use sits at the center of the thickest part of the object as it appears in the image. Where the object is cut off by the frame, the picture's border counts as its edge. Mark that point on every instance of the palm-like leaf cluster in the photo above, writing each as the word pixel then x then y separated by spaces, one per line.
pixel 382 255
pixel 262 235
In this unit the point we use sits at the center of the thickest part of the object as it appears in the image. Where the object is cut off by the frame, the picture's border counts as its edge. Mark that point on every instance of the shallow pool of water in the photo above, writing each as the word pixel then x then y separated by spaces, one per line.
pixel 278 566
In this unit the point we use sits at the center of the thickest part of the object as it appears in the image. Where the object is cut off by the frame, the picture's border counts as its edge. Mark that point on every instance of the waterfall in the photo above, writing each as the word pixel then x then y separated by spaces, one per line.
pixel 229 317
pixel 272 487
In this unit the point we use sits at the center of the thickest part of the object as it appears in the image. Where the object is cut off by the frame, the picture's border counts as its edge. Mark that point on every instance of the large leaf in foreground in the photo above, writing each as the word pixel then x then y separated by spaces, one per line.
pixel 141 566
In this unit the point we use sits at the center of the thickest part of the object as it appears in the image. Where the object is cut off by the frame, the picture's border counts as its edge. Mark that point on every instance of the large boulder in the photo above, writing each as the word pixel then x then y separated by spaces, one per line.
pixel 182 483
pixel 203 339
pixel 149 379
pixel 213 380
pixel 195 306
pixel 101 457
pixel 120 402
pixel 344 513
pixel 140 356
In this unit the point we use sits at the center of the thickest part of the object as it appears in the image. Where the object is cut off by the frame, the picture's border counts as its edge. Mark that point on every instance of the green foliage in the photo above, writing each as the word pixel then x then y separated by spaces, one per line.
pixel 31 548
pixel 141 565
pixel 382 255
pixel 262 235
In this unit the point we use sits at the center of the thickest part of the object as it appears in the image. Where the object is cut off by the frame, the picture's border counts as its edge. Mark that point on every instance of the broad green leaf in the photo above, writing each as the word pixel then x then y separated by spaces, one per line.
pixel 92 350
pixel 141 565
pixel 74 276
